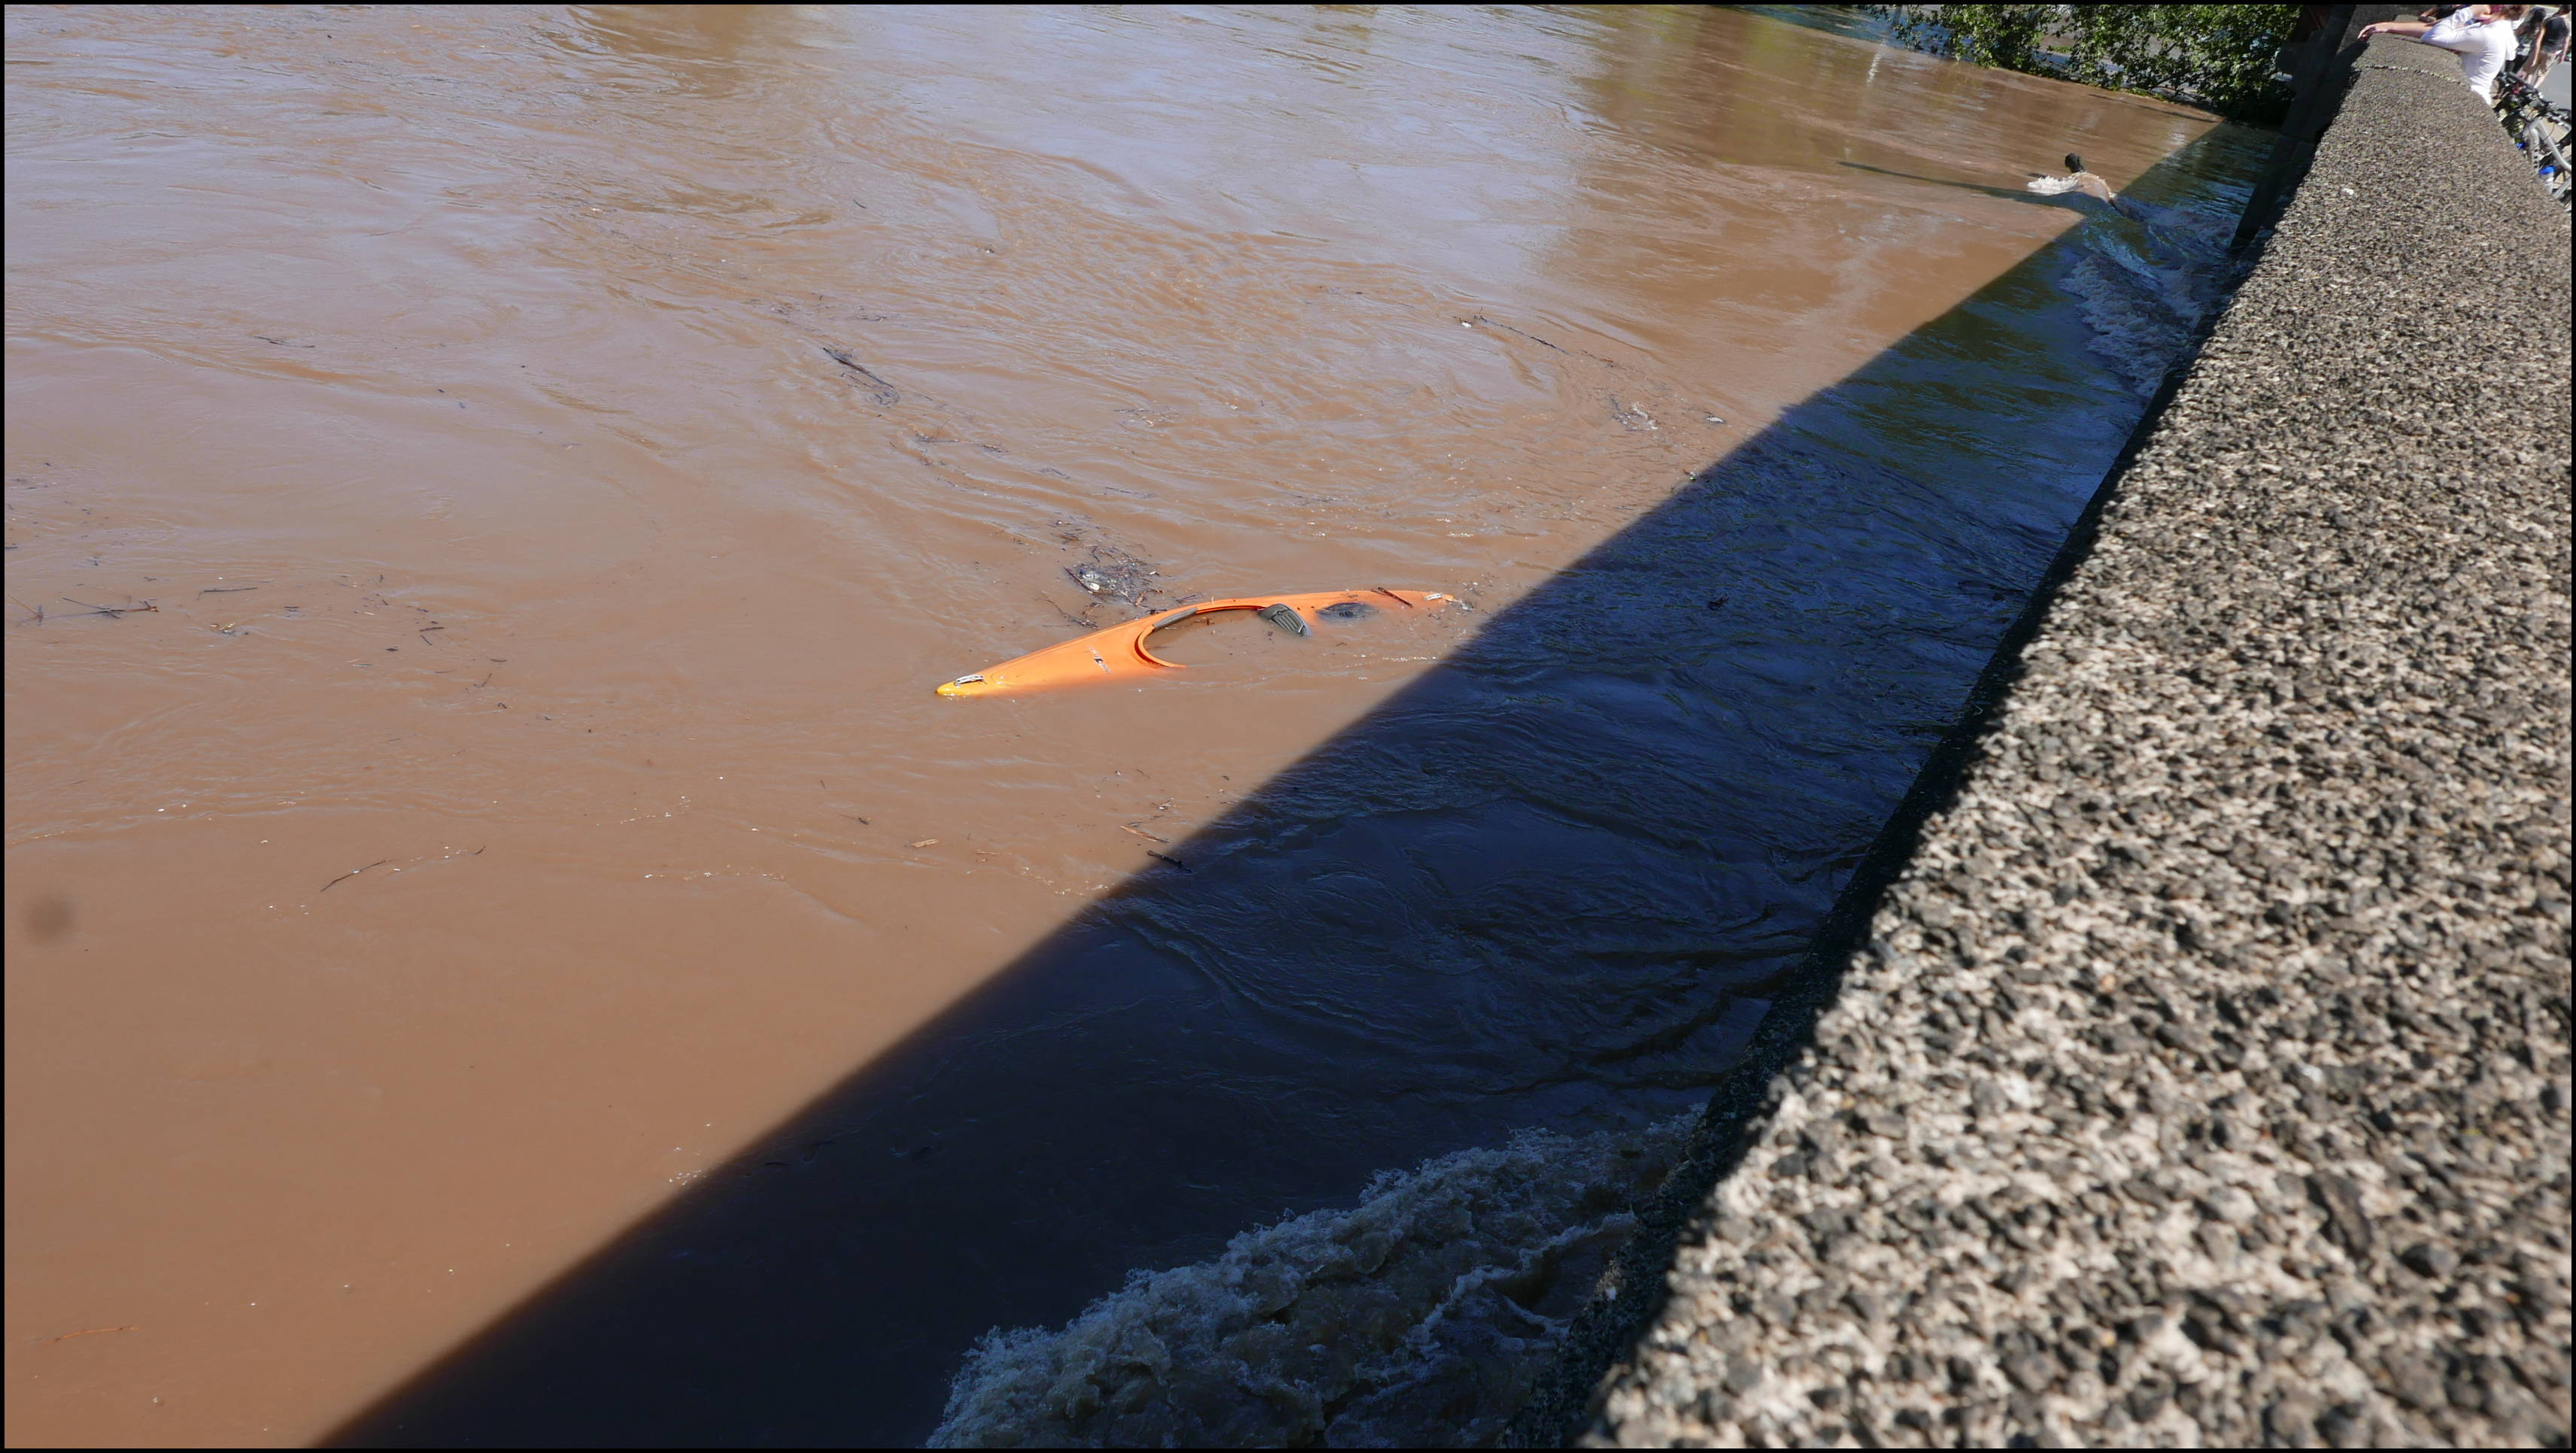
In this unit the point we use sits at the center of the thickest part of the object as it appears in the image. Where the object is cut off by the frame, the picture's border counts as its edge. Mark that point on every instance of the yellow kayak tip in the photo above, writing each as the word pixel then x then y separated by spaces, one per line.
pixel 1119 653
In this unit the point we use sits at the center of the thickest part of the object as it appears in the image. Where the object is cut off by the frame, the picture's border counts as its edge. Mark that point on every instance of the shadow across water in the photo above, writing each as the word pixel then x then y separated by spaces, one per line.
pixel 1553 882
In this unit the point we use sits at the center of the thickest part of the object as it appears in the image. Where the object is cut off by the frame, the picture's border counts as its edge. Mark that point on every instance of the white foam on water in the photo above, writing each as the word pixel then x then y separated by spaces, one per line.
pixel 1423 1316
pixel 2146 279
pixel 2135 328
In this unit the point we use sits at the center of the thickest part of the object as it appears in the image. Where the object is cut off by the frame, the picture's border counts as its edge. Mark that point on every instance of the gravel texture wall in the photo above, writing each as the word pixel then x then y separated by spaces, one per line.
pixel 2202 1078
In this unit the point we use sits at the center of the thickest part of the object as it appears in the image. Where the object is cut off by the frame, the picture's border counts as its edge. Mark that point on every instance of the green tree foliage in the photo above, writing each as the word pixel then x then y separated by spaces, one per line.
pixel 2219 57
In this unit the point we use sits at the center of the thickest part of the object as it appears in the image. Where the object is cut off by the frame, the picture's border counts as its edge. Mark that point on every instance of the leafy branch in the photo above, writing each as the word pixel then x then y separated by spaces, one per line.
pixel 2218 57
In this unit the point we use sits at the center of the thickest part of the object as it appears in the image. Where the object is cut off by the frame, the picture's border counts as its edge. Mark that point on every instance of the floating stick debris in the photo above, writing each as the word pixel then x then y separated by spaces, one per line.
pixel 353 872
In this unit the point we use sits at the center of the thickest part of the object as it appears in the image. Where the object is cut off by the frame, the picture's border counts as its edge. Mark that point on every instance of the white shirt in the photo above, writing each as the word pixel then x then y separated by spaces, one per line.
pixel 2485 48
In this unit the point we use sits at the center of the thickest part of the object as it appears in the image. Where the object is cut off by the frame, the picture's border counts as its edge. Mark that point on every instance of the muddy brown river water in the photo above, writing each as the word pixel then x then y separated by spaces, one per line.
pixel 490 491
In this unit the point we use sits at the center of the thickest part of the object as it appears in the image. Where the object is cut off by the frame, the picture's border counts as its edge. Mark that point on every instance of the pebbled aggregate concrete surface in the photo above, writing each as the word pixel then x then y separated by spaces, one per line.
pixel 2203 1078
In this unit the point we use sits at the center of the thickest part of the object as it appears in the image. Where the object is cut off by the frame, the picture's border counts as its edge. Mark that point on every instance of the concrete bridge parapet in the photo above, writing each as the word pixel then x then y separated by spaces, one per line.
pixel 2191 1065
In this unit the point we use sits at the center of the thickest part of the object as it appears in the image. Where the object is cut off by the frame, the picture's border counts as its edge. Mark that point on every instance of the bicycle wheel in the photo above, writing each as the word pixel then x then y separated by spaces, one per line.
pixel 2549 152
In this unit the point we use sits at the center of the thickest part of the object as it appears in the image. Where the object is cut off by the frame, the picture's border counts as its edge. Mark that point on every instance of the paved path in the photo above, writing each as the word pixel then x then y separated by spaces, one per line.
pixel 2204 1077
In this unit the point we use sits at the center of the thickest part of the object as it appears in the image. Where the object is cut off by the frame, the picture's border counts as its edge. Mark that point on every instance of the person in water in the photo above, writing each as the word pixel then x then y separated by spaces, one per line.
pixel 2481 35
pixel 2080 179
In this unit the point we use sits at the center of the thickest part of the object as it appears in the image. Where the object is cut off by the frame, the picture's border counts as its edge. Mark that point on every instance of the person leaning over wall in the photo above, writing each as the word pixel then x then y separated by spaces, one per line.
pixel 2481 35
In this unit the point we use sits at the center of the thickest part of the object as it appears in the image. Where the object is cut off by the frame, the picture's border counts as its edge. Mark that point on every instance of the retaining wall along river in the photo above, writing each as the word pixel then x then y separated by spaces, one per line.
pixel 2202 1076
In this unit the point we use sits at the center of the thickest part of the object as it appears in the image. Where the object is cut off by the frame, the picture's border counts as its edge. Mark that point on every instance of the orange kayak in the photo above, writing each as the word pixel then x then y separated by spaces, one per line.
pixel 1119 653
